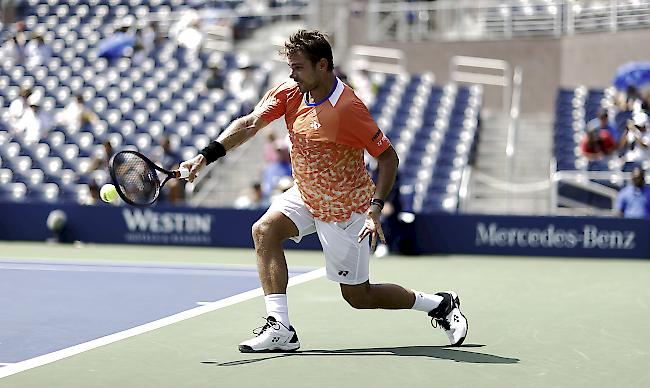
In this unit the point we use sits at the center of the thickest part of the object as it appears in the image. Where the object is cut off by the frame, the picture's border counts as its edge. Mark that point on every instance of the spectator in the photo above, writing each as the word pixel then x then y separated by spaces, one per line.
pixel 597 143
pixel 601 122
pixel 395 229
pixel 45 120
pixel 284 184
pixel 252 198
pixel 636 138
pixel 271 149
pixel 275 171
pixel 13 48
pixel 216 78
pixel 174 191
pixel 93 190
pixel 242 83
pixel 18 107
pixel 630 101
pixel 168 158
pixel 633 201
pixel 76 115
pixel 187 31
pixel 117 45
pixel 33 124
pixel 12 10
pixel 37 52
pixel 139 51
pixel 146 36
pixel 101 161
pixel 158 36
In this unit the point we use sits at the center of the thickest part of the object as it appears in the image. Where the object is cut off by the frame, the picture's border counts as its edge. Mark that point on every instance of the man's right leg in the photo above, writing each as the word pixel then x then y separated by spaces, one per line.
pixel 269 232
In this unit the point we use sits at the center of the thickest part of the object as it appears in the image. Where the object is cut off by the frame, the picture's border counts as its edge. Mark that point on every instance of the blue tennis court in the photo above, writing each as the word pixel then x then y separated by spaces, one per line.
pixel 48 306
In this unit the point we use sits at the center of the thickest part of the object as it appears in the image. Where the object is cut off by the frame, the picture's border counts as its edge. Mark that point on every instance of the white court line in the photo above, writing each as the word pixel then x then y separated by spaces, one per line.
pixel 6 363
pixel 109 339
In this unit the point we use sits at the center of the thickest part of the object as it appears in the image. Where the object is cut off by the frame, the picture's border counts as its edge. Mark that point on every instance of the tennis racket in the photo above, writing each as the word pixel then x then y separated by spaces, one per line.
pixel 137 179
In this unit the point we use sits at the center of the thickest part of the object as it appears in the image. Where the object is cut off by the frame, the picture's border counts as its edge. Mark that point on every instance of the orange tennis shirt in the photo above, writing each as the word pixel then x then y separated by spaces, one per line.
pixel 328 139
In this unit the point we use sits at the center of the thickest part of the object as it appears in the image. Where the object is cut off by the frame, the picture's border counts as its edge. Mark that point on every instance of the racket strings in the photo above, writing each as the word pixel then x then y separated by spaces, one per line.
pixel 136 179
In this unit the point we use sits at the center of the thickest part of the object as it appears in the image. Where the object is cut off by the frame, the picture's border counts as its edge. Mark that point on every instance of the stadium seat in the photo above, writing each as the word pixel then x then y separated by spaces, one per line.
pixel 13 192
pixel 46 192
pixel 165 94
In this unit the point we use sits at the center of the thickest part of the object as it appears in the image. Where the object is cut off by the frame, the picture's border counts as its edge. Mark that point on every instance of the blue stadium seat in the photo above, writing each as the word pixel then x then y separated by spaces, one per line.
pixel 13 192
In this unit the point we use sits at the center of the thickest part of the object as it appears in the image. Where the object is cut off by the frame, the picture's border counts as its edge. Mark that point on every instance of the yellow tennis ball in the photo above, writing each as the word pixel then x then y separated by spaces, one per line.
pixel 108 193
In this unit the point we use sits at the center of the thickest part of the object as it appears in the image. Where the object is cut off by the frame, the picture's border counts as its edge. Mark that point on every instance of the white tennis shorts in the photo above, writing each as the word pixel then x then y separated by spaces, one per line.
pixel 346 259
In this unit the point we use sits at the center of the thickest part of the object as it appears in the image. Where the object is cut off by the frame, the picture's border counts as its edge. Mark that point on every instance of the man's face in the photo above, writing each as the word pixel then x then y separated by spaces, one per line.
pixel 638 177
pixel 592 136
pixel 303 72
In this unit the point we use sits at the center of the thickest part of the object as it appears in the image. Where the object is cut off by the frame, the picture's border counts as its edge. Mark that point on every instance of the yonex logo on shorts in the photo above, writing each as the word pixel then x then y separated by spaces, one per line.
pixel 344 273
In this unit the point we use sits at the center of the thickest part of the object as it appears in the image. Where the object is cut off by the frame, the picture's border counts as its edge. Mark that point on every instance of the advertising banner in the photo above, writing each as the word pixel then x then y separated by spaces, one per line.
pixel 535 236
pixel 429 233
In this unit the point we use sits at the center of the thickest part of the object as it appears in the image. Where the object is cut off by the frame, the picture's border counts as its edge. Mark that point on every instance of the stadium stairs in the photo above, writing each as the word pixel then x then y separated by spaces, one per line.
pixel 527 192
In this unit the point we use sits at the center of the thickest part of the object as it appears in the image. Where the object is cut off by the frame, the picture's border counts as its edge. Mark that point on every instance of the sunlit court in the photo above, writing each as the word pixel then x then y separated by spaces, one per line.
pixel 294 193
pixel 533 321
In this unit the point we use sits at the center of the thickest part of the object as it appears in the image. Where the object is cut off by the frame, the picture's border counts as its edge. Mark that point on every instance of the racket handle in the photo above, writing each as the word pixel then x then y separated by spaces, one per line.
pixel 182 173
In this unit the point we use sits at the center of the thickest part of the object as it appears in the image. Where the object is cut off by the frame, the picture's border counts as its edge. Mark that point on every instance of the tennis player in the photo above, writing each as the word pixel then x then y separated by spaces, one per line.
pixel 333 194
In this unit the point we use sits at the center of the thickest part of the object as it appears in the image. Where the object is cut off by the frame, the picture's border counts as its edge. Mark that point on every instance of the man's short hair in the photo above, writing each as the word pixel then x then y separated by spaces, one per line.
pixel 313 44
pixel 638 171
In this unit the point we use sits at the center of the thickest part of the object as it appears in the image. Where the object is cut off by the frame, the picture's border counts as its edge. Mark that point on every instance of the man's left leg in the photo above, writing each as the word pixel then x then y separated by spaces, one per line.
pixel 443 307
pixel 378 296
pixel 347 263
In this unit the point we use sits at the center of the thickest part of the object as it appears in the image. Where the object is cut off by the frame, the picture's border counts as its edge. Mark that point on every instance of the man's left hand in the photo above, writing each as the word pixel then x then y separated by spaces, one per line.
pixel 372 227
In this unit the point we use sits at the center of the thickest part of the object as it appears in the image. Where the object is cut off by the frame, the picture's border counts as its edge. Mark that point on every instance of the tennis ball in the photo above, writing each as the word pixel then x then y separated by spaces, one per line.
pixel 108 193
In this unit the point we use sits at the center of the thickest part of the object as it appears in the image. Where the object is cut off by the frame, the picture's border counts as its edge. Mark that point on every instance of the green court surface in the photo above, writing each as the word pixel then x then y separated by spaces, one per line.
pixel 533 322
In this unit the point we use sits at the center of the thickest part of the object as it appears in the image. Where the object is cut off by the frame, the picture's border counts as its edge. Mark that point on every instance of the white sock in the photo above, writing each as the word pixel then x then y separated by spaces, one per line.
pixel 425 302
pixel 276 307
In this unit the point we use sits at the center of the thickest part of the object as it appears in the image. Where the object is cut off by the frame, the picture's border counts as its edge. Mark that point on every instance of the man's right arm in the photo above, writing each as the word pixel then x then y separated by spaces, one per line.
pixel 236 134
pixel 271 107
pixel 240 130
pixel 619 204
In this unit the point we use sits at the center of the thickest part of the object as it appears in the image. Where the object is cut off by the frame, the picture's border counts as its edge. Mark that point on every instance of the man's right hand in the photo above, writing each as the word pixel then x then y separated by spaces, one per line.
pixel 194 165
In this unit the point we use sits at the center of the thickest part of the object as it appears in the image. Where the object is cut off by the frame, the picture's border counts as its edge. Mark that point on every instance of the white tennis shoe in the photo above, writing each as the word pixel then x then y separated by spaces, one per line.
pixel 448 317
pixel 272 337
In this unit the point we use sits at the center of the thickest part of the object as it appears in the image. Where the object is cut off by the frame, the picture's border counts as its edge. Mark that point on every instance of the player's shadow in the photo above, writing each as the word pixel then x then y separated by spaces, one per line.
pixel 457 354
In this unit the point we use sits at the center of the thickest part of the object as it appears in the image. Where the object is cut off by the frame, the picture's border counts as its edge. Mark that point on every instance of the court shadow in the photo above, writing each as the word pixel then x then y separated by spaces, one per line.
pixel 457 354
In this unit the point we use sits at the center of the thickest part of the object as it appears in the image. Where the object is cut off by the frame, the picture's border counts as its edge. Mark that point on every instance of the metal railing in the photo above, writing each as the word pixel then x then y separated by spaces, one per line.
pixel 471 70
pixel 584 180
pixel 513 124
pixel 457 20
pixel 459 71
pixel 377 59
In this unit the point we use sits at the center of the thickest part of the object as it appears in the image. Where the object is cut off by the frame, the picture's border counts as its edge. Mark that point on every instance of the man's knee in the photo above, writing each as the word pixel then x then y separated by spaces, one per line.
pixel 262 230
pixel 357 296
pixel 273 229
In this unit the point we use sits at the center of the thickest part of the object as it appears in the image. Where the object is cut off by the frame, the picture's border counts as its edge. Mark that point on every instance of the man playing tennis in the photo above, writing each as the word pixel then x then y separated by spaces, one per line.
pixel 333 195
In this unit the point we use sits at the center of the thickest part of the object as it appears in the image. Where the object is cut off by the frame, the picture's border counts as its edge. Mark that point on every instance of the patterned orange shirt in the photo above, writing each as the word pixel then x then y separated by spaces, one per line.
pixel 328 139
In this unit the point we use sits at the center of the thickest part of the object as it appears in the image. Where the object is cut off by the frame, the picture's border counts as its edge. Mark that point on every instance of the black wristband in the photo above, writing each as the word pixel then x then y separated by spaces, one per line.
pixel 213 151
pixel 378 202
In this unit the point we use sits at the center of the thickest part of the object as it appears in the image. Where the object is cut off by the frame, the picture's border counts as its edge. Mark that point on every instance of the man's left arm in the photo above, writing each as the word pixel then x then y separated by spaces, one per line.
pixel 387 163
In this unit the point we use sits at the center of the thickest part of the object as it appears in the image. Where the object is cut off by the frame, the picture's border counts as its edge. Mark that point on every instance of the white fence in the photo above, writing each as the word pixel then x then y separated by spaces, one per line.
pixel 454 20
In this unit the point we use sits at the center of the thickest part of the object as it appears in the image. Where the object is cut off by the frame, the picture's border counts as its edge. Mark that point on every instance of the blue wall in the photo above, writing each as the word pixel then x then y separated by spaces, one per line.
pixel 440 233
pixel 533 236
